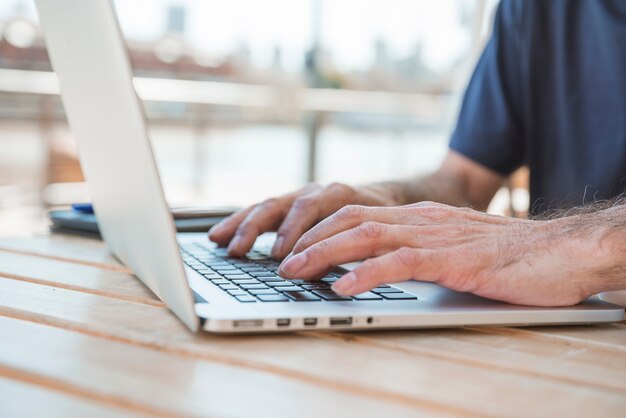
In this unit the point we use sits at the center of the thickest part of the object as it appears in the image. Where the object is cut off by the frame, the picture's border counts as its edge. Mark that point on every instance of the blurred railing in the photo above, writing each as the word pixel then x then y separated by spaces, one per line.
pixel 313 103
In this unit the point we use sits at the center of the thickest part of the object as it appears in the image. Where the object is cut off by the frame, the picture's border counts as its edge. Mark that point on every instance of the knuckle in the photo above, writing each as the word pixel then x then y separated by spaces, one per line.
pixel 406 258
pixel 247 228
pixel 271 203
pixel 372 265
pixel 350 212
pixel 339 188
pixel 433 212
pixel 371 230
pixel 304 242
pixel 304 203
pixel 321 248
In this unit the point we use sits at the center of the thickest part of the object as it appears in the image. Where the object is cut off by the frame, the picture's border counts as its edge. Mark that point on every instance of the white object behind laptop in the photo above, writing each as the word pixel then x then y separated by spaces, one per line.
pixel 105 116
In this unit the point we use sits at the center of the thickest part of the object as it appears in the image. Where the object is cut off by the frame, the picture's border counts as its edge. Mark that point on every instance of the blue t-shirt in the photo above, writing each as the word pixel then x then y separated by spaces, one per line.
pixel 550 92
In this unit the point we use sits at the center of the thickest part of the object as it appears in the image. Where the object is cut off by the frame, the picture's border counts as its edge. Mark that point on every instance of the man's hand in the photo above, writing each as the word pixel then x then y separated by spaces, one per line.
pixel 290 215
pixel 540 263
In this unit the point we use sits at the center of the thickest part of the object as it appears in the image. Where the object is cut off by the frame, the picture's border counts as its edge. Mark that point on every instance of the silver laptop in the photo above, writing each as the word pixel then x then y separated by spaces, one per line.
pixel 200 284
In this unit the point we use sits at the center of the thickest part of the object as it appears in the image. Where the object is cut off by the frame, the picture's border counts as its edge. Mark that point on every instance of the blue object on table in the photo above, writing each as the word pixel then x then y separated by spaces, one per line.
pixel 83 207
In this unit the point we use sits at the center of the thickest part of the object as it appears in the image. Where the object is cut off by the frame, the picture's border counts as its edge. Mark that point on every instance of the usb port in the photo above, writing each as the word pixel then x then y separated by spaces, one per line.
pixel 309 322
pixel 283 322
pixel 345 320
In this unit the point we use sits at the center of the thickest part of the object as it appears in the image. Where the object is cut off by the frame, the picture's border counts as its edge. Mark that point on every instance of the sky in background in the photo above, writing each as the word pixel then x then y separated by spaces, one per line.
pixel 350 28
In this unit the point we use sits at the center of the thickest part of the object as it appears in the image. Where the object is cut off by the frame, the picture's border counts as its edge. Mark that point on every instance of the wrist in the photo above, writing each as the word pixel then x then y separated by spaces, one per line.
pixel 595 255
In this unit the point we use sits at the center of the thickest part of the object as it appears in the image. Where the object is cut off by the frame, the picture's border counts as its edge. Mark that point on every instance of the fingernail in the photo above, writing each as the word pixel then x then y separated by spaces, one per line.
pixel 212 230
pixel 278 247
pixel 343 285
pixel 287 258
pixel 294 264
pixel 234 244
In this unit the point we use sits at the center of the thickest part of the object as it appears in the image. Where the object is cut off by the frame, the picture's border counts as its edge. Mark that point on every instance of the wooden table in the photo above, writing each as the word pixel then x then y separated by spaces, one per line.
pixel 81 337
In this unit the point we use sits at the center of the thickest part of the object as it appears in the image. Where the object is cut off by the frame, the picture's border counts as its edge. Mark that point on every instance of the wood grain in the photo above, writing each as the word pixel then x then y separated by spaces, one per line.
pixel 20 399
pixel 77 277
pixel 153 382
pixel 62 247
pixel 74 289
pixel 407 378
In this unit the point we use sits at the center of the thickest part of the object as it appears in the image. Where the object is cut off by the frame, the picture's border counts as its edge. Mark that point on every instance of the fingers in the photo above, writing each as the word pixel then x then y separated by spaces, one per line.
pixel 346 218
pixel 306 211
pixel 402 264
pixel 223 232
pixel 366 240
pixel 261 218
pixel 303 215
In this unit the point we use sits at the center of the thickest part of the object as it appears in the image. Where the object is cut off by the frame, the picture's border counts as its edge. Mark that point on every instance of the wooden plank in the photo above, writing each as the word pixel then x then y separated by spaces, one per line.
pixel 21 399
pixel 551 359
pixel 76 277
pixel 378 373
pixel 62 247
pixel 156 382
pixel 557 359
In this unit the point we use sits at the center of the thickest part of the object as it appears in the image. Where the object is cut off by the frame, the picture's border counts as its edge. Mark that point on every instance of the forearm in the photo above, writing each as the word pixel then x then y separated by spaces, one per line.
pixel 459 181
pixel 437 187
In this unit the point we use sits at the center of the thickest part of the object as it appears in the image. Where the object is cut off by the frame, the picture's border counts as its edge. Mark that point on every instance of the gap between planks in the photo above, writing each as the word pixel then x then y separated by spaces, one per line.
pixel 345 336
pixel 57 385
pixel 283 372
pixel 105 293
pixel 538 335
pixel 414 351
pixel 104 266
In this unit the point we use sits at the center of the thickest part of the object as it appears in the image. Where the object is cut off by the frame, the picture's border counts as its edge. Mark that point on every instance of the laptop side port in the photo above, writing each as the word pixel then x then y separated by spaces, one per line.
pixel 283 322
pixel 310 322
pixel 248 323
pixel 343 320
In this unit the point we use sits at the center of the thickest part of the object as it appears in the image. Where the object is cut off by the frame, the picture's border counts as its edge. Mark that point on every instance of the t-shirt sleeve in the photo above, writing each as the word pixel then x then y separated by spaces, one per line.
pixel 489 129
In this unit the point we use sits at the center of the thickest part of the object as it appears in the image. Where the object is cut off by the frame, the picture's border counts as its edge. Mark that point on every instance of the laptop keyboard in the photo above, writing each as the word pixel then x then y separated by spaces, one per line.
pixel 254 278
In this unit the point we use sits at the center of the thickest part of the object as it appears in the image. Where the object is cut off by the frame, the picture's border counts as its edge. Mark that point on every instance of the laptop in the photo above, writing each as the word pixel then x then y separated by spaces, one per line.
pixel 204 287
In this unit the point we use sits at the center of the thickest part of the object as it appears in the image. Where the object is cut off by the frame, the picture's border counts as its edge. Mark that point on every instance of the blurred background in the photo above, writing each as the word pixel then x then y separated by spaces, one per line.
pixel 248 99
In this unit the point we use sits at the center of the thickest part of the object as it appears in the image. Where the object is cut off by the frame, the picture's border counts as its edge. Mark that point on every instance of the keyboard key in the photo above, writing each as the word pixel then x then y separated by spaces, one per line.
pixel 245 281
pixel 302 296
pixel 237 276
pixel 237 292
pixel 315 286
pixel 289 289
pixel 270 279
pixel 261 274
pixel 228 287
pixel 278 284
pixel 367 296
pixel 220 281
pixel 212 276
pixel 386 290
pixel 245 298
pixel 253 286
pixel 398 296
pixel 330 295
pixel 263 292
pixel 272 298
pixel 228 270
